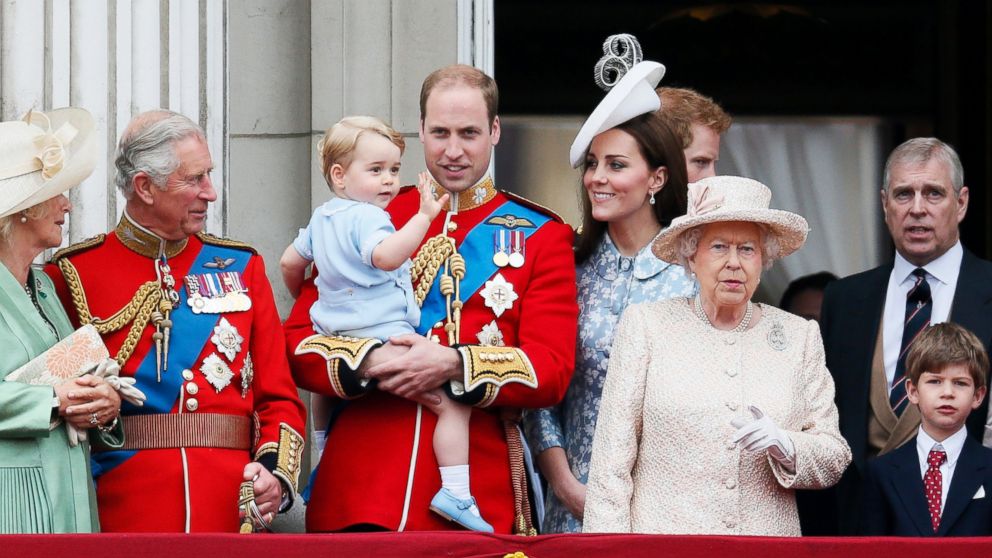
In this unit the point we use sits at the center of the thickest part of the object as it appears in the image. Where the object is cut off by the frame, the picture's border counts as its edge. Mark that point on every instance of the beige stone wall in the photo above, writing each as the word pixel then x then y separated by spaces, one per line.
pixel 297 67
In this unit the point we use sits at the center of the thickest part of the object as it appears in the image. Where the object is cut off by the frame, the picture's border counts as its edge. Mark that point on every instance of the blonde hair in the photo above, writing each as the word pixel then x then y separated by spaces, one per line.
pixel 944 344
pixel 337 147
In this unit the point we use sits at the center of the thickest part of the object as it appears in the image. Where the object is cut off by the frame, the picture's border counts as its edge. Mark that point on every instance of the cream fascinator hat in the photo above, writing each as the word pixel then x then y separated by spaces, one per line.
pixel 720 199
pixel 44 155
pixel 630 84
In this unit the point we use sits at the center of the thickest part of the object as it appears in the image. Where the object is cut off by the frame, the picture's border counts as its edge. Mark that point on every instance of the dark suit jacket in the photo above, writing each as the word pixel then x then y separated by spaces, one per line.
pixel 850 319
pixel 894 502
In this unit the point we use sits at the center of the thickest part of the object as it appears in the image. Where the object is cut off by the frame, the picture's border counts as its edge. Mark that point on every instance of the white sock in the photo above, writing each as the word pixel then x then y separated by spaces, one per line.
pixel 455 479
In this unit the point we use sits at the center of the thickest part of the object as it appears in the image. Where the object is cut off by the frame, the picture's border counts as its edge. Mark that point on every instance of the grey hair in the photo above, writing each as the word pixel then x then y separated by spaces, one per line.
pixel 688 243
pixel 919 151
pixel 148 146
pixel 36 211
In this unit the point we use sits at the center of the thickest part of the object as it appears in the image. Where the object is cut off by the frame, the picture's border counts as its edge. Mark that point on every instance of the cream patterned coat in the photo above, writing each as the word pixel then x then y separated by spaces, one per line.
pixel 662 461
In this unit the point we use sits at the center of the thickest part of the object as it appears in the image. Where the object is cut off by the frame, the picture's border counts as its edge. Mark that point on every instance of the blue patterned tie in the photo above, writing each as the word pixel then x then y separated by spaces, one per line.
pixel 918 306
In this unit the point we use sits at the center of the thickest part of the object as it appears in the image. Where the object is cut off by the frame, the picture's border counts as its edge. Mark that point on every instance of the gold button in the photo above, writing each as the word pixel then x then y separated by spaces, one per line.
pixel 192 388
pixel 187 374
pixel 452 226
pixel 192 404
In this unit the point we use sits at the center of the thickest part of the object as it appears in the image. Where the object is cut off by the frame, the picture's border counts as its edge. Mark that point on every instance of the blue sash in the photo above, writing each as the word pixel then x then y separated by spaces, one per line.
pixel 477 249
pixel 190 332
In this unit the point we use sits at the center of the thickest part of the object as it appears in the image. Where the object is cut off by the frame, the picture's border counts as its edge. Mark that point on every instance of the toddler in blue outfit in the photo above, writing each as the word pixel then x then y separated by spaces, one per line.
pixel 363 279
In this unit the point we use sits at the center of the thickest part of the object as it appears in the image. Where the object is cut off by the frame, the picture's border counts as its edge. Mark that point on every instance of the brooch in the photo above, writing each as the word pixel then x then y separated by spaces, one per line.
pixel 777 339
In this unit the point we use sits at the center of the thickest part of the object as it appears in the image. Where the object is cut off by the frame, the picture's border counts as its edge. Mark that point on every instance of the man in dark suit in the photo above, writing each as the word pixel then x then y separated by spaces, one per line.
pixel 864 317
pixel 941 483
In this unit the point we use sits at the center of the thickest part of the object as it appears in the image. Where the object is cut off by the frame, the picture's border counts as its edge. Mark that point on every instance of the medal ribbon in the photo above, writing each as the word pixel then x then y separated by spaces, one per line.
pixel 476 248
pixel 190 333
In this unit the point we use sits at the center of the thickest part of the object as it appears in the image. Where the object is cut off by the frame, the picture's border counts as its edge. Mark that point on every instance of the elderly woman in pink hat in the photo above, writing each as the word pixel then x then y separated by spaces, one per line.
pixel 45 484
pixel 715 409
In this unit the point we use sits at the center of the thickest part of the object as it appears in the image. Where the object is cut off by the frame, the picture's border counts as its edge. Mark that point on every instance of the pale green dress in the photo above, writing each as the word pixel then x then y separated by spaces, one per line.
pixel 45 485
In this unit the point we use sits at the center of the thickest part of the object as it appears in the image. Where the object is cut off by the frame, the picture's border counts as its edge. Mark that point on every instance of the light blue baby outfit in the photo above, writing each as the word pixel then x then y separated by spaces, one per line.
pixel 355 298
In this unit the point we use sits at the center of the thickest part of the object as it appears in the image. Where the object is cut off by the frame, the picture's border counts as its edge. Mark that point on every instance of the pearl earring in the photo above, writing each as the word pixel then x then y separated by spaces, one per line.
pixel 24 218
pixel 651 201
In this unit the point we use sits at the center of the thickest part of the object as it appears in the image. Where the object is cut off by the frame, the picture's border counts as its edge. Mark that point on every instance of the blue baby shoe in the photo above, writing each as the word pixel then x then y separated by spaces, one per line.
pixel 462 512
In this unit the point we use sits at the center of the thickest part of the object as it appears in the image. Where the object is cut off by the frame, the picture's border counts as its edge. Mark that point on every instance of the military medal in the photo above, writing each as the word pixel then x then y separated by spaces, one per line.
pixel 217 372
pixel 216 293
pixel 498 294
pixel 500 248
pixel 490 336
pixel 227 339
pixel 247 375
pixel 516 258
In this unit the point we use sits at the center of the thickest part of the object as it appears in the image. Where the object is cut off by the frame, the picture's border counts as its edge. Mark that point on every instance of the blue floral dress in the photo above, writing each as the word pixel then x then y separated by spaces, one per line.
pixel 607 283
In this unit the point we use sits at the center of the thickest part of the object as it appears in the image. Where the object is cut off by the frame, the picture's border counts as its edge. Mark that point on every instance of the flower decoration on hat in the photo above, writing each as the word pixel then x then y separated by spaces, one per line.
pixel 702 199
pixel 44 154
pixel 51 153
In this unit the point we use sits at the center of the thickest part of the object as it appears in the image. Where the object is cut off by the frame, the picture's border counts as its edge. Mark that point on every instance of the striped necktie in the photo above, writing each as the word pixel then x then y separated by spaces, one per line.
pixel 918 307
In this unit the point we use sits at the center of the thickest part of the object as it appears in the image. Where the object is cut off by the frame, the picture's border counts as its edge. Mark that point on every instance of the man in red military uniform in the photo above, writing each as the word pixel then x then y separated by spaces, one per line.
pixel 496 281
pixel 190 317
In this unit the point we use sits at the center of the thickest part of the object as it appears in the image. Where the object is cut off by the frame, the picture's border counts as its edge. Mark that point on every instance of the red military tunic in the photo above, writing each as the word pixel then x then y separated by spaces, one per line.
pixel 379 444
pixel 247 405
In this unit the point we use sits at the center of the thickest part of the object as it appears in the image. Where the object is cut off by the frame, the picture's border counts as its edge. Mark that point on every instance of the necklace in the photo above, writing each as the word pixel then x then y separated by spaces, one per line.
pixel 697 306
pixel 37 306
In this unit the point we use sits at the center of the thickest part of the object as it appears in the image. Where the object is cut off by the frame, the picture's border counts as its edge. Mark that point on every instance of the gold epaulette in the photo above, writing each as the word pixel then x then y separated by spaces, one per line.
pixel 80 246
pixel 533 205
pixel 208 238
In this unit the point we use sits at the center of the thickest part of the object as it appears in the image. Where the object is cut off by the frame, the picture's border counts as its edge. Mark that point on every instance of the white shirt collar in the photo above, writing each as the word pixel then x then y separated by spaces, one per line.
pixel 952 445
pixel 944 269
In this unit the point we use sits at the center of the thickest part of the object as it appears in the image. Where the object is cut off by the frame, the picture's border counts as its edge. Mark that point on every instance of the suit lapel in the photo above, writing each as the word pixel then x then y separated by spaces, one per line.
pixel 867 305
pixel 908 484
pixel 972 308
pixel 965 482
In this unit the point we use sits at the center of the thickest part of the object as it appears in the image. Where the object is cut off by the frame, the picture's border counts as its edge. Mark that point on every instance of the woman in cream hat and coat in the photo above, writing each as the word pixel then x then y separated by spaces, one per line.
pixel 715 409
pixel 45 482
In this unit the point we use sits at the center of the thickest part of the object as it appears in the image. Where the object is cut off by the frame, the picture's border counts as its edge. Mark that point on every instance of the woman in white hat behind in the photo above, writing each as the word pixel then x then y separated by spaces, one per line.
pixel 45 483
pixel 715 409
pixel 634 183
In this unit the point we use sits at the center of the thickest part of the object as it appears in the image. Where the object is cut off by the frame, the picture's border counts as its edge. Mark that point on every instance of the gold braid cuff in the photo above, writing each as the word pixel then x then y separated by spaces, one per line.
pixel 337 349
pixel 496 367
pixel 289 458
pixel 137 311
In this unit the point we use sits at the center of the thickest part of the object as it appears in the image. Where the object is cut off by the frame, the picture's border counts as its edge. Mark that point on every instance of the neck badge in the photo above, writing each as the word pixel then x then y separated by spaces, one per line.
pixel 216 293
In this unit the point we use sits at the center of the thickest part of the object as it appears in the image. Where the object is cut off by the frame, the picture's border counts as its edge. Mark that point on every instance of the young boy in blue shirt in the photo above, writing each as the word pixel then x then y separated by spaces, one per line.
pixel 939 484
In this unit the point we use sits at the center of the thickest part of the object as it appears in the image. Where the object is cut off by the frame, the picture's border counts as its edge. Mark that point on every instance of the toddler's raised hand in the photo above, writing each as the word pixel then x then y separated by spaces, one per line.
pixel 429 207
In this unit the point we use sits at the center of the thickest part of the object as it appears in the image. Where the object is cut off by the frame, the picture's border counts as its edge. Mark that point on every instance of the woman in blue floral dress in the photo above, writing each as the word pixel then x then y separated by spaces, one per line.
pixel 634 182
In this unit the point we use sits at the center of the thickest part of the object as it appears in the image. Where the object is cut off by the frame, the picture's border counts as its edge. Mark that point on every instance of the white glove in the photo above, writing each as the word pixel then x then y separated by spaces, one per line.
pixel 110 371
pixel 762 433
pixel 74 434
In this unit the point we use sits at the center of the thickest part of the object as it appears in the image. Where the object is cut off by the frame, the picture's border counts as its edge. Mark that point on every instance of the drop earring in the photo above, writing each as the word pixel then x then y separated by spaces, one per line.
pixel 651 200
